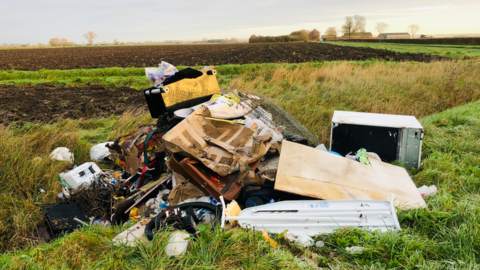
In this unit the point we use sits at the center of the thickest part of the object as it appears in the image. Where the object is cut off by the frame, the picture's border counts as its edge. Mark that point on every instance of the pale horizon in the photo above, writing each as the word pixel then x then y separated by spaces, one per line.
pixel 27 21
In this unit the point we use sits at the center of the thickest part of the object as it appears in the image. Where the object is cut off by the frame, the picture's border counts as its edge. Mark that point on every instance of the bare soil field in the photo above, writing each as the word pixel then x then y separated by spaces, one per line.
pixel 44 103
pixel 193 55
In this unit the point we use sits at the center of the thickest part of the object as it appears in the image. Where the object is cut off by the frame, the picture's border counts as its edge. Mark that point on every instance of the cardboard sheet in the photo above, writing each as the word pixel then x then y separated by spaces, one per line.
pixel 183 190
pixel 311 172
pixel 223 147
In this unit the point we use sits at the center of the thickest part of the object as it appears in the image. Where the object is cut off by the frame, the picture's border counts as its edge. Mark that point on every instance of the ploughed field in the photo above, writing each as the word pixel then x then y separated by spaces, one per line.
pixel 47 103
pixel 193 55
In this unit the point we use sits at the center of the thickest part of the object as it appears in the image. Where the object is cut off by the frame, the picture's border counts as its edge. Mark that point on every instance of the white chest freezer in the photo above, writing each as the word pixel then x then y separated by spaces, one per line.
pixel 392 137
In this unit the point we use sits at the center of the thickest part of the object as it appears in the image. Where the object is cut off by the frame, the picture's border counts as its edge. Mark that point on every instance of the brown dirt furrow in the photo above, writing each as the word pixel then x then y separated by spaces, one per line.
pixel 191 55
pixel 46 103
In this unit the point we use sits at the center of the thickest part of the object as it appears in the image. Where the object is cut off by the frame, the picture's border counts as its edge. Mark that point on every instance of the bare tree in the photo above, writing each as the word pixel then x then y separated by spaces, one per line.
pixel 331 32
pixel 54 42
pixel 413 29
pixel 381 27
pixel 301 35
pixel 314 35
pixel 116 42
pixel 348 27
pixel 90 36
pixel 64 42
pixel 354 25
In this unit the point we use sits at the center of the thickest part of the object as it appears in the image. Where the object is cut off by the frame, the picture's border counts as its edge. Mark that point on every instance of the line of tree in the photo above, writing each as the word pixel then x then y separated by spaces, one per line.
pixel 60 42
pixel 381 27
pixel 331 32
pixel 90 36
pixel 302 35
pixel 354 26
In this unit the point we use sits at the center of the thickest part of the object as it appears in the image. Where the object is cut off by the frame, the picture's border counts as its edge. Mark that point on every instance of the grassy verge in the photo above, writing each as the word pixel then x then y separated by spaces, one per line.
pixel 26 167
pixel 92 248
pixel 311 91
pixel 452 51
pixel 446 235
pixel 311 94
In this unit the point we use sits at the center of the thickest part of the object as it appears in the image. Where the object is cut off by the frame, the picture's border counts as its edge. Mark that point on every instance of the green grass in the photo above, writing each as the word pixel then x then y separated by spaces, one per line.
pixel 452 51
pixel 117 77
pixel 92 248
pixel 135 77
pixel 311 91
pixel 444 235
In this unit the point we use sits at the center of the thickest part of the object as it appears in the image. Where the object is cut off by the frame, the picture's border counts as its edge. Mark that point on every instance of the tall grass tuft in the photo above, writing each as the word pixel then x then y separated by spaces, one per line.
pixel 312 93
pixel 446 235
pixel 25 167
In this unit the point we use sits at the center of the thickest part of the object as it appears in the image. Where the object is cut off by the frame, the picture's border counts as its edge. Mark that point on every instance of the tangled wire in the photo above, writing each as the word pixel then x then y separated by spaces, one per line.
pixel 97 200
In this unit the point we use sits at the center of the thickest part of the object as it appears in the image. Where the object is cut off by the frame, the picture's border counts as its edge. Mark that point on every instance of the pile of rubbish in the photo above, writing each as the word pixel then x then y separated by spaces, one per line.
pixel 236 159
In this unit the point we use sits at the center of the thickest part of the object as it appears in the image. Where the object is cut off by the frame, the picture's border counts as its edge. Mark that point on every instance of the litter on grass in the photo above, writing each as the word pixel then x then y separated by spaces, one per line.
pixel 210 146
pixel 62 154
pixel 427 191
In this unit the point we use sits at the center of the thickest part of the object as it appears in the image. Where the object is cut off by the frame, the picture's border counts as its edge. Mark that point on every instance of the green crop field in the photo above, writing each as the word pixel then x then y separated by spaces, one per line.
pixel 452 51
pixel 445 96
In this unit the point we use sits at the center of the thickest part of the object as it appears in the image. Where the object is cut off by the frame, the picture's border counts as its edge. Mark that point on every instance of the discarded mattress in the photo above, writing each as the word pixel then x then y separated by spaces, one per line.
pixel 313 217
pixel 315 173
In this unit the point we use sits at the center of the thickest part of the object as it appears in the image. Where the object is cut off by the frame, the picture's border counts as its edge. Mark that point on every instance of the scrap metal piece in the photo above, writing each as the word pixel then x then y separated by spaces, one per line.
pixel 313 217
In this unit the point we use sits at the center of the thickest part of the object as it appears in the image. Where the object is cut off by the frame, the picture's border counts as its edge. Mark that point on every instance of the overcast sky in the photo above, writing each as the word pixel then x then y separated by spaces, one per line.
pixel 33 21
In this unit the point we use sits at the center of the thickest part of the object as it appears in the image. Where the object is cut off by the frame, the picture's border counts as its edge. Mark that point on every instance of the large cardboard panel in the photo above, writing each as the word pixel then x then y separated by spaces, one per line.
pixel 311 172
pixel 223 147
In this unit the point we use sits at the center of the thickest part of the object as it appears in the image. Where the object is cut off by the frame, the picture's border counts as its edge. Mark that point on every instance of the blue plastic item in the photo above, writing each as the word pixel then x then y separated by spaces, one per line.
pixel 335 153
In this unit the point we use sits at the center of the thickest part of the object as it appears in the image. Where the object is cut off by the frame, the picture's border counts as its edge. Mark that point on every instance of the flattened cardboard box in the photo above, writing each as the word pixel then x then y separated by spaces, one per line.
pixel 311 172
pixel 221 146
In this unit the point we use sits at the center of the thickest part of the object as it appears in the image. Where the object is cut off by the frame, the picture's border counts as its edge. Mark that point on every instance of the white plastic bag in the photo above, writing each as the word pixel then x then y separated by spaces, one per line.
pixel 62 154
pixel 220 107
pixel 302 239
pixel 177 244
pixel 100 151
pixel 158 75
pixel 256 125
pixel 276 135
pixel 427 191
pixel 261 129
pixel 305 240
pixel 322 147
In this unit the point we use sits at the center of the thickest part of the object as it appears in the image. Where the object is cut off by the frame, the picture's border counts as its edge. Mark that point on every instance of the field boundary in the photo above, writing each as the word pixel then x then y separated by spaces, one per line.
pixel 195 55
pixel 445 41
